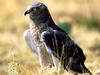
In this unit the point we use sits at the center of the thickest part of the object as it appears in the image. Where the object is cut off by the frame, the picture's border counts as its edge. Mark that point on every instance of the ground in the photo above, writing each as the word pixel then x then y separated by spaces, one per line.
pixel 15 56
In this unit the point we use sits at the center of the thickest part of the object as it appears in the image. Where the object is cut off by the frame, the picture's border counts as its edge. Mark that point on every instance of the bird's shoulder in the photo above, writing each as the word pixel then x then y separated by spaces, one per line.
pixel 57 28
pixel 53 31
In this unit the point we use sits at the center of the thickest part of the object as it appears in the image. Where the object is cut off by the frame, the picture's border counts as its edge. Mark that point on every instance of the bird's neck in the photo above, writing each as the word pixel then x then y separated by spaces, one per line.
pixel 42 23
pixel 43 20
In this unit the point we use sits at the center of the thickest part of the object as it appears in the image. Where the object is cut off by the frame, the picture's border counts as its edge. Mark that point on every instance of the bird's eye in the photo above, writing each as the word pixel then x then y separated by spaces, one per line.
pixel 34 9
pixel 42 7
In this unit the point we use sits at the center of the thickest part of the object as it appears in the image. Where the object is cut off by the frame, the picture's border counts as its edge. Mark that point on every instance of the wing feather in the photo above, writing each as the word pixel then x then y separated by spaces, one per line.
pixel 64 48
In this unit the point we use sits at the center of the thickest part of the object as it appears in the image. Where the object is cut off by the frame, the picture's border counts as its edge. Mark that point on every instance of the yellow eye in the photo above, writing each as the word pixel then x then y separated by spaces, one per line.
pixel 34 9
pixel 42 7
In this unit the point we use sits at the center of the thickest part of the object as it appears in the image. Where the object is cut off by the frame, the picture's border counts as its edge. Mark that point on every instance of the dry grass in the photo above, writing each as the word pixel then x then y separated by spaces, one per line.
pixel 17 59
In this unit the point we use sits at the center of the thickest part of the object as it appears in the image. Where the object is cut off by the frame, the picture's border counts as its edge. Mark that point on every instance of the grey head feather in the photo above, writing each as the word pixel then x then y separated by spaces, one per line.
pixel 39 13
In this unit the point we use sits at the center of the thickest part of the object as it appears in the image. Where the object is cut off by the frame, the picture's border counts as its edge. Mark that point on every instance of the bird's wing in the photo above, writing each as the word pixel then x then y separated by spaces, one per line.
pixel 53 40
pixel 58 42
pixel 62 46
pixel 50 39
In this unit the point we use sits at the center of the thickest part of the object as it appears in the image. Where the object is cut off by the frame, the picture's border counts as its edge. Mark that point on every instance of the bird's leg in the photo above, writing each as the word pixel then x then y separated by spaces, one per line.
pixel 55 61
pixel 58 66
pixel 44 58
pixel 41 58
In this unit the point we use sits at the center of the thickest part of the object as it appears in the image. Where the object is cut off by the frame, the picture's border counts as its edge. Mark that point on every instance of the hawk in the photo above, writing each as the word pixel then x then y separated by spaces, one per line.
pixel 45 36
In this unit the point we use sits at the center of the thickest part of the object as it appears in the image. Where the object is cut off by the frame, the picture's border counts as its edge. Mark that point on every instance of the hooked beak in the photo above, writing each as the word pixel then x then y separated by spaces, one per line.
pixel 26 12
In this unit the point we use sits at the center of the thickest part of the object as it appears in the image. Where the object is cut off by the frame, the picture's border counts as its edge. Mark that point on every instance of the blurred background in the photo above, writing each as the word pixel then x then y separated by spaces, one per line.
pixel 80 18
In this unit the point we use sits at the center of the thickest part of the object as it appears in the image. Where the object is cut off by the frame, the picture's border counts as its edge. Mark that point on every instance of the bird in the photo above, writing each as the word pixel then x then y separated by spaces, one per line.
pixel 46 35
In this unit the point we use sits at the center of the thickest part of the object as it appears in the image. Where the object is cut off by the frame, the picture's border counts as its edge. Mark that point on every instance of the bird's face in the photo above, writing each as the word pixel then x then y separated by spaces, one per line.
pixel 38 14
pixel 35 9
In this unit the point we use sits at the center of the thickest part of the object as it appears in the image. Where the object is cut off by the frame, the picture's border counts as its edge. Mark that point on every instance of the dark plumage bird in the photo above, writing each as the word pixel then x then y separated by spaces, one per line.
pixel 56 41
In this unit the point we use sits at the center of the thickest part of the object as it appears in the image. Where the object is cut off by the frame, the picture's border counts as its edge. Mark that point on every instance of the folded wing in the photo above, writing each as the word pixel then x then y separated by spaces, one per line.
pixel 65 49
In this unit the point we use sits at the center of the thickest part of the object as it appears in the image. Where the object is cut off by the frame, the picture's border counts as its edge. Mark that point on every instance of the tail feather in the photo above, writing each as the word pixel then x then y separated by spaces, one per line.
pixel 85 69
pixel 76 68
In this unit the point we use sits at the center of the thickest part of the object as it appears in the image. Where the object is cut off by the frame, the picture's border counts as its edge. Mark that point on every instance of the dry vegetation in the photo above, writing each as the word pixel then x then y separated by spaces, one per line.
pixel 17 59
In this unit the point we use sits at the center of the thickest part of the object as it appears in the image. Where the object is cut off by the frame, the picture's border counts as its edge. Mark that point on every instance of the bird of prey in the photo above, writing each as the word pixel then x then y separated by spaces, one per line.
pixel 46 35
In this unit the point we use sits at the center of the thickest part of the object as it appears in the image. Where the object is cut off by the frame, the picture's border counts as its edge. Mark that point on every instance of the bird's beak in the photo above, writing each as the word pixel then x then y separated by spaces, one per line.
pixel 26 12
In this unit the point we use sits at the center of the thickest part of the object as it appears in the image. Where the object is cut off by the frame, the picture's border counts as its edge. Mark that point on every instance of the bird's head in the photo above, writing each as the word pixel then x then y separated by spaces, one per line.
pixel 38 13
pixel 36 10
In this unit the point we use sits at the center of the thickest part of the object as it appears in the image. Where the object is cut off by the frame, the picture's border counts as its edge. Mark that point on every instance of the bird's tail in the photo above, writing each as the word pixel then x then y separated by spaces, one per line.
pixel 80 69
pixel 85 70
